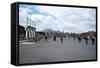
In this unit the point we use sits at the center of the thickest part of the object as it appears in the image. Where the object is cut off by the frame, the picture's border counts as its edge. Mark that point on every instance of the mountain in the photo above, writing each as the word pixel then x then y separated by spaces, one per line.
pixel 50 30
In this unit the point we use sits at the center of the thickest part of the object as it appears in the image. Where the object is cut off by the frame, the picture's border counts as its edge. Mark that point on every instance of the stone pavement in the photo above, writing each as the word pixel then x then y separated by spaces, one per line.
pixel 50 51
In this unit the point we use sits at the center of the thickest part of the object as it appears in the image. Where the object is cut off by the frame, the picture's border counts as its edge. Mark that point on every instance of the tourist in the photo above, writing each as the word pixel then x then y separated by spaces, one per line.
pixel 93 40
pixel 54 38
pixel 79 39
pixel 45 38
pixel 61 38
pixel 86 40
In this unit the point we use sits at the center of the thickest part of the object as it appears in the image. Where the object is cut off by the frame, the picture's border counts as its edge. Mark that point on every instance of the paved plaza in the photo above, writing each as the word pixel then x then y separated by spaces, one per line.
pixel 50 51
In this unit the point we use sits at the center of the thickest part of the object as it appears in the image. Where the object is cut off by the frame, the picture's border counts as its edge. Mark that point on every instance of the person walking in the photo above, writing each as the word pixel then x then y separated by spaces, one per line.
pixel 86 40
pixel 93 40
pixel 79 39
pixel 61 38
pixel 54 38
pixel 45 38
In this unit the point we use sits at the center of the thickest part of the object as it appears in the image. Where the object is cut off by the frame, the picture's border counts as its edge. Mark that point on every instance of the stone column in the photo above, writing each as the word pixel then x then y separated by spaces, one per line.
pixel 29 34
pixel 26 33
pixel 27 22
pixel 32 34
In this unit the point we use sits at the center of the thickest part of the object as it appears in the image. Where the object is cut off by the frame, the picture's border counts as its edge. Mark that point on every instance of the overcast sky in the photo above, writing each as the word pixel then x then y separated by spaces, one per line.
pixel 69 19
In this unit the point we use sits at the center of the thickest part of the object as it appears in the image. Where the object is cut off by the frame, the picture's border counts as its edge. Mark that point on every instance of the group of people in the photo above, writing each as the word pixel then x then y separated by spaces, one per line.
pixel 54 38
pixel 61 38
pixel 92 38
pixel 79 38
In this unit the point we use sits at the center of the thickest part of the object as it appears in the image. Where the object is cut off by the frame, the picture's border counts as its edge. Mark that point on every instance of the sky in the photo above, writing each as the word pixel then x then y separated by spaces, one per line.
pixel 67 19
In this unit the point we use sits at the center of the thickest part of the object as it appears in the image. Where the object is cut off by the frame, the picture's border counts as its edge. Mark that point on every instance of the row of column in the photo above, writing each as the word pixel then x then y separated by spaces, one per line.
pixel 30 31
pixel 30 34
pixel 30 22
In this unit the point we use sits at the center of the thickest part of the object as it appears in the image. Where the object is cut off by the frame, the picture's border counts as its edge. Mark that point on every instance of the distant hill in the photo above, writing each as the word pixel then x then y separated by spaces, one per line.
pixel 50 30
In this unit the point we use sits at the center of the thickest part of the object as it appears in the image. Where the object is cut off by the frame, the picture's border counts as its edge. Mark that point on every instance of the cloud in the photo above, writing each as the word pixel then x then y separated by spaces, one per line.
pixel 68 19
